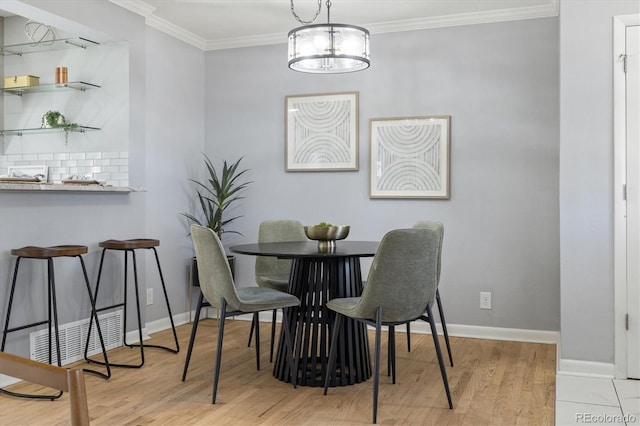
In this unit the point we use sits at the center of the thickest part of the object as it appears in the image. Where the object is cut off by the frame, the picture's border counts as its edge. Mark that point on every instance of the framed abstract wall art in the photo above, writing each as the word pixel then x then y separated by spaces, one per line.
pixel 409 157
pixel 321 132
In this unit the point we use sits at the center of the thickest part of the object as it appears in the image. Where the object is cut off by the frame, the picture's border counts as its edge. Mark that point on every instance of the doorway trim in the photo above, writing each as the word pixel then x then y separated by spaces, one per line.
pixel 619 204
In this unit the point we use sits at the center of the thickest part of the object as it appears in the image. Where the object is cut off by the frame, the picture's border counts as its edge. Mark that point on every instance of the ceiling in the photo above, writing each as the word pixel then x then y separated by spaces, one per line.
pixel 222 24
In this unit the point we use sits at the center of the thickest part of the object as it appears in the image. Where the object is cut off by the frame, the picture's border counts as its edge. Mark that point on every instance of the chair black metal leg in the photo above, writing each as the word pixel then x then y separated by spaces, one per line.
pixel 254 322
pixel 391 343
pixel 408 337
pixel 444 326
pixel 216 374
pixel 436 342
pixel 332 350
pixel 376 372
pixel 392 356
pixel 257 345
pixel 192 339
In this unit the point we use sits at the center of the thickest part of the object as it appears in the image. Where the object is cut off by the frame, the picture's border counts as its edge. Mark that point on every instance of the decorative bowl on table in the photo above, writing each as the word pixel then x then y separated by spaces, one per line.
pixel 326 235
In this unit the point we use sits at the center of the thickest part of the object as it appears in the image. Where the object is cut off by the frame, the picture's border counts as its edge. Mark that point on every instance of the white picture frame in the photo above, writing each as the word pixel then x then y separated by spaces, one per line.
pixel 410 157
pixel 321 132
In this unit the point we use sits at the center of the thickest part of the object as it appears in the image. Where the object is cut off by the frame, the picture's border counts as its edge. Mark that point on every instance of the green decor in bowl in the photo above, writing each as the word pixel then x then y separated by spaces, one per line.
pixel 326 235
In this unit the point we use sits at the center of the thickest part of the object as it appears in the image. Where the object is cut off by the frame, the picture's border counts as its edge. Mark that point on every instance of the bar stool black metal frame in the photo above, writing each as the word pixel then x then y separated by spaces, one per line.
pixel 129 246
pixel 48 254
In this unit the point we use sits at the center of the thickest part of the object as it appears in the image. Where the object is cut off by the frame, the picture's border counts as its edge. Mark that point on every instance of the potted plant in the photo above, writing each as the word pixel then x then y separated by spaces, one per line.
pixel 55 120
pixel 215 196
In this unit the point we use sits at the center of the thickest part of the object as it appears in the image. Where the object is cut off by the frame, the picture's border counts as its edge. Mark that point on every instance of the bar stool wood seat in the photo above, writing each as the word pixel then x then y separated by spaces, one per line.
pixel 48 254
pixel 137 243
pixel 129 246
pixel 33 252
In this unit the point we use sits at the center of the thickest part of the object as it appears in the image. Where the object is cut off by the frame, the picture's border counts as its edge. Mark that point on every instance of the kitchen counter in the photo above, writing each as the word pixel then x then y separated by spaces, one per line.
pixel 59 187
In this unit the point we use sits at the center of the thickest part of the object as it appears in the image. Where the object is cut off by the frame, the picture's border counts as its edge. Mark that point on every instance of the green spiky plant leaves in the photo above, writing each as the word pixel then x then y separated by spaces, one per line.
pixel 218 194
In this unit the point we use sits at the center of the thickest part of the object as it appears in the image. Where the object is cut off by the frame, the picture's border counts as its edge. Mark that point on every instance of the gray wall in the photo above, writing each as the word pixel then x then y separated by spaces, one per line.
pixel 586 177
pixel 175 138
pixel 499 82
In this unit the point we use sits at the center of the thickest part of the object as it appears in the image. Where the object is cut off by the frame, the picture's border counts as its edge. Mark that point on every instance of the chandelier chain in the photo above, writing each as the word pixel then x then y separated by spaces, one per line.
pixel 303 22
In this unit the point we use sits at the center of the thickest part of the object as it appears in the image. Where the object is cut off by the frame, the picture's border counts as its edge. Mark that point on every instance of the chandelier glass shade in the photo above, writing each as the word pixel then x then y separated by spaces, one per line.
pixel 328 48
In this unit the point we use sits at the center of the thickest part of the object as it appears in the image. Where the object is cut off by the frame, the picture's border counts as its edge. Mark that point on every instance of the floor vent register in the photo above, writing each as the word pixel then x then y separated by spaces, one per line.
pixel 73 336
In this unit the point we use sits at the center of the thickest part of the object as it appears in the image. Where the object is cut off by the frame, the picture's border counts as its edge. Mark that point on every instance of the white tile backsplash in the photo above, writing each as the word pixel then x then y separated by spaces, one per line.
pixel 112 167
pixel 61 156
pixel 45 157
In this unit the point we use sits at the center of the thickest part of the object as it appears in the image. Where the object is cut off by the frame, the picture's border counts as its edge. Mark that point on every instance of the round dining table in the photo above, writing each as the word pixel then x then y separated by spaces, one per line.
pixel 317 277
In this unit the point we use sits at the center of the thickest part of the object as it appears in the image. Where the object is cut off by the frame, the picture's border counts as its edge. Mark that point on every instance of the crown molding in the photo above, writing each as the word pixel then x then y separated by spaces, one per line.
pixel 550 9
pixel 545 11
pixel 233 43
pixel 135 6
pixel 146 10
pixel 176 31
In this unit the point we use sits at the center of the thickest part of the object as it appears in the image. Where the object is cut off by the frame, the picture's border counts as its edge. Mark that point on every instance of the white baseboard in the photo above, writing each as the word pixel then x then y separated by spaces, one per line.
pixel 459 330
pixel 132 336
pixel 489 333
pixel 575 367
pixel 159 325
pixel 499 333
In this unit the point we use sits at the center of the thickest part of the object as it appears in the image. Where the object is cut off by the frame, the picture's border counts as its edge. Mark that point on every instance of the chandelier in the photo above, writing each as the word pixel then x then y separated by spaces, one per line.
pixel 327 48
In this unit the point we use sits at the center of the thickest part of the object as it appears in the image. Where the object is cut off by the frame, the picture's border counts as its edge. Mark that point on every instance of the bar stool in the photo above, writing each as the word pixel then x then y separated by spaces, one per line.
pixel 129 246
pixel 48 254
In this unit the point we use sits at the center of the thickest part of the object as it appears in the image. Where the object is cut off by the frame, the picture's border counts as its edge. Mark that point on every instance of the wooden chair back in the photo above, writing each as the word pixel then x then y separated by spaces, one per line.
pixel 66 380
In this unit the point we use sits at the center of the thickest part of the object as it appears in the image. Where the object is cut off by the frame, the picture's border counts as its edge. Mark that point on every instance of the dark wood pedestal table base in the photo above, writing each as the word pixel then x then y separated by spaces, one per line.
pixel 317 277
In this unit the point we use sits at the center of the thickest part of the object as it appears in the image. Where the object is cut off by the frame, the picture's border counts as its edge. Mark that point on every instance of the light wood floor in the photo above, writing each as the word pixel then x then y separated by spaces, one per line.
pixel 492 382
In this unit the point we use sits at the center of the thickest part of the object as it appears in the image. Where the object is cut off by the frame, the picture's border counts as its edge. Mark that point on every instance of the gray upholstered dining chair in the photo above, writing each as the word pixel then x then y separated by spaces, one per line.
pixel 428 224
pixel 272 272
pixel 401 288
pixel 217 286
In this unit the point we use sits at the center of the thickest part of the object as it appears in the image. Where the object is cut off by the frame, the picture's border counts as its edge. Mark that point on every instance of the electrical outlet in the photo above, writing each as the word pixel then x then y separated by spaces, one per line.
pixel 485 300
pixel 149 296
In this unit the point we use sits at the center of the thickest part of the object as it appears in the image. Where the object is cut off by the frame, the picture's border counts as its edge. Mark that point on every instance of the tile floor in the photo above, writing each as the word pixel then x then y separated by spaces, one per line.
pixel 588 400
